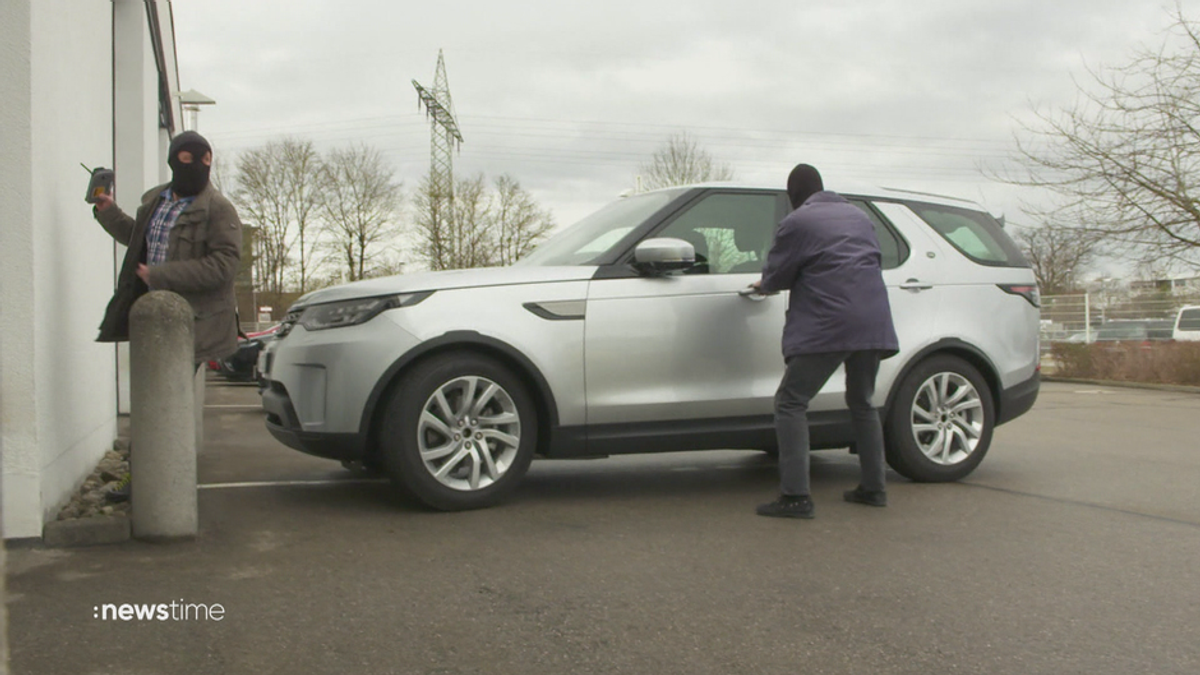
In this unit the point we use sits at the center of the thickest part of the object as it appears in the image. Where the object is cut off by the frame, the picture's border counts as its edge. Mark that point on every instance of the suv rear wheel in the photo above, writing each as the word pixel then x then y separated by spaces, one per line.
pixel 459 432
pixel 940 424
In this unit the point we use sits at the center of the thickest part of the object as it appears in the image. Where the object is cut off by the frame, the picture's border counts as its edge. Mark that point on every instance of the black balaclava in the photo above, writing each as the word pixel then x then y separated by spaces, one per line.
pixel 803 182
pixel 188 180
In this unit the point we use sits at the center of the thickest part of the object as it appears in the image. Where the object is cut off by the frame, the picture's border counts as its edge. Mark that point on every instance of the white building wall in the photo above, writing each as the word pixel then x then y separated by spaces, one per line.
pixel 138 155
pixel 20 462
pixel 72 123
pixel 58 387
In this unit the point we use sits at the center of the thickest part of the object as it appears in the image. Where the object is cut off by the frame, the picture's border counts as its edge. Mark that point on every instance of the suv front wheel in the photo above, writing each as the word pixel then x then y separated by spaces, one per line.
pixel 941 421
pixel 459 432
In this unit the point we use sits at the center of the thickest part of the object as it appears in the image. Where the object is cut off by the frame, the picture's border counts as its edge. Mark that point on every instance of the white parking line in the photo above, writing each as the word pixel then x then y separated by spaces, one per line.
pixel 243 406
pixel 290 483
pixel 719 467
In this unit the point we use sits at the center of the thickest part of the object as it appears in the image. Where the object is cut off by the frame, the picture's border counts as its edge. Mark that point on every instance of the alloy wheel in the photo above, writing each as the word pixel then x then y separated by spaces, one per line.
pixel 469 433
pixel 947 418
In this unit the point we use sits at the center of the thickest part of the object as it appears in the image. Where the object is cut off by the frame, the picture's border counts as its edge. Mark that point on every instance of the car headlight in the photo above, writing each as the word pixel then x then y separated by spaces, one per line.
pixel 354 312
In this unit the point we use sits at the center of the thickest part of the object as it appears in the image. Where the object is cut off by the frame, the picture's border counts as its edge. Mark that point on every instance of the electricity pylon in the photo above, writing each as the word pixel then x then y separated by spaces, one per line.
pixel 445 138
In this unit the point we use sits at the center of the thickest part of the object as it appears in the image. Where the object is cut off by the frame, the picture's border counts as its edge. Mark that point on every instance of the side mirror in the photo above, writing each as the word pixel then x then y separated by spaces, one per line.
pixel 663 256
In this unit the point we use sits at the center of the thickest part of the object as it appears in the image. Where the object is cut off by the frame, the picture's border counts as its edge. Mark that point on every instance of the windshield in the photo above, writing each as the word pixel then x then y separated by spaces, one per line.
pixel 587 241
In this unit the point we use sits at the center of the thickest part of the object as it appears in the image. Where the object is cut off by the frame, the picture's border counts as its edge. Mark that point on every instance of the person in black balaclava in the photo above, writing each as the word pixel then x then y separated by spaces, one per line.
pixel 190 159
pixel 803 182
pixel 826 253
pixel 185 238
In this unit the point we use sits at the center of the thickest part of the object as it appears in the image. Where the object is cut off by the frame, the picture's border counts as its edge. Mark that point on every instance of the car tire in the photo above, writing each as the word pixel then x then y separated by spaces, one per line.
pixel 941 420
pixel 453 455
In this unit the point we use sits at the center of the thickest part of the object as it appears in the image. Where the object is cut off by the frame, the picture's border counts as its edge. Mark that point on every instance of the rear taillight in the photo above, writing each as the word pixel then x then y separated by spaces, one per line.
pixel 1027 291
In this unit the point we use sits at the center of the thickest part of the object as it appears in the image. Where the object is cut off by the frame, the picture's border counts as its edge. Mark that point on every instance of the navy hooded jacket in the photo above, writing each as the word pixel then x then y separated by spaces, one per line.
pixel 827 254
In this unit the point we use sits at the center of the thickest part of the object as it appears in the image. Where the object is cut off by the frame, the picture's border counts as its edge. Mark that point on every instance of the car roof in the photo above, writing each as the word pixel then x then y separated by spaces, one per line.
pixel 850 188
pixel 1112 322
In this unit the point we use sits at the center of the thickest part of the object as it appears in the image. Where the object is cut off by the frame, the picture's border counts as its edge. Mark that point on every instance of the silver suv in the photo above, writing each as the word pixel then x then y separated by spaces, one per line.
pixel 632 331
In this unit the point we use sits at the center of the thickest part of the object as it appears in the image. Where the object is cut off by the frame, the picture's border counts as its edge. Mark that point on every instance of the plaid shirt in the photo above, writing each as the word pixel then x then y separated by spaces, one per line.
pixel 158 232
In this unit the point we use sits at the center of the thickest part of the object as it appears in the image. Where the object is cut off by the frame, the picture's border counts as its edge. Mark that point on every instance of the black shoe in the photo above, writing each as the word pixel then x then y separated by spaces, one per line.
pixel 860 496
pixel 787 507
pixel 119 493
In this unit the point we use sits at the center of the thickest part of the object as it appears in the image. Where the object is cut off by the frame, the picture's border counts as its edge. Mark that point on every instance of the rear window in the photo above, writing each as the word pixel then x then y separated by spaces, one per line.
pixel 974 233
pixel 1122 331
pixel 1160 330
pixel 1189 319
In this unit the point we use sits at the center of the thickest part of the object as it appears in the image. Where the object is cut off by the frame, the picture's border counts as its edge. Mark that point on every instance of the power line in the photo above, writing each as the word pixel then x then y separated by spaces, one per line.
pixel 651 132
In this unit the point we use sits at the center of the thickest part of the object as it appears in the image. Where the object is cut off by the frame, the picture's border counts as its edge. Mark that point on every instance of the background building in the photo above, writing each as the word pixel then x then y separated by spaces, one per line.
pixel 91 83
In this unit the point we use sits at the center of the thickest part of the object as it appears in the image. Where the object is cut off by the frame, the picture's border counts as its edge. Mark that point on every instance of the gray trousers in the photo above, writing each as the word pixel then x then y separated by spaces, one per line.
pixel 804 377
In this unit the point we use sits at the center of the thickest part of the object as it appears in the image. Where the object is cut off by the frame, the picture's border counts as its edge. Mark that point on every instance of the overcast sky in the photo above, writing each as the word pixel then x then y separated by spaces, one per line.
pixel 569 99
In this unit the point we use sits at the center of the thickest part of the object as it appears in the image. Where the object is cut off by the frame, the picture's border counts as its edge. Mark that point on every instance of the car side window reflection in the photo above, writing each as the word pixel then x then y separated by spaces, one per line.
pixel 730 232
pixel 893 248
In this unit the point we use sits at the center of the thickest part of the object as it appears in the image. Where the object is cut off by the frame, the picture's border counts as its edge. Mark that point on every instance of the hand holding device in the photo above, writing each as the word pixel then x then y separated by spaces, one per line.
pixel 100 187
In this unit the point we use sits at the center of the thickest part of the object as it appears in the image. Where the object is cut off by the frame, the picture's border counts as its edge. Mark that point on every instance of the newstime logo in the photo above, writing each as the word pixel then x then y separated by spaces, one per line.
pixel 174 611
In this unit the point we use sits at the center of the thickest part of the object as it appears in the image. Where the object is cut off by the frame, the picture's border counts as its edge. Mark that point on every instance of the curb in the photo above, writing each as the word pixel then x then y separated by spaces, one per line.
pixel 94 531
pixel 1177 388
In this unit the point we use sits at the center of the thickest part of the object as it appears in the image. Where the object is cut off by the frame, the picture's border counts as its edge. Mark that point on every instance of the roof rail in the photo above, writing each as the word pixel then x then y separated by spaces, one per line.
pixel 928 194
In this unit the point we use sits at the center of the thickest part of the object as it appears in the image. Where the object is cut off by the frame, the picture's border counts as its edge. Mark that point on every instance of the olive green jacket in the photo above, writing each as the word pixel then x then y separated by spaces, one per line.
pixel 203 254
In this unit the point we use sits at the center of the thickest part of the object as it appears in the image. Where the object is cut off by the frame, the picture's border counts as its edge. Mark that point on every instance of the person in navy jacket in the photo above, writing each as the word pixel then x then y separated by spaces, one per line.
pixel 826 253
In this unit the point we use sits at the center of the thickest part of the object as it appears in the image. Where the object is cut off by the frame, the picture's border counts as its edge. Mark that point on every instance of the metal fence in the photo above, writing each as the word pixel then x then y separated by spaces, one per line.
pixel 1079 318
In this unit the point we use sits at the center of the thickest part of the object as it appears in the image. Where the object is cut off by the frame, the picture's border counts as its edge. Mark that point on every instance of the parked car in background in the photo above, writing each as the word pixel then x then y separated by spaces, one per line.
pixel 1186 327
pixel 1134 330
pixel 242 365
pixel 634 331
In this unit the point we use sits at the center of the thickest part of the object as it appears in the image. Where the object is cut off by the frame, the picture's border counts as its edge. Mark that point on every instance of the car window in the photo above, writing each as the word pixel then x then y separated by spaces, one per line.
pixel 974 233
pixel 1122 331
pixel 595 236
pixel 731 232
pixel 1189 319
pixel 894 250
pixel 1160 330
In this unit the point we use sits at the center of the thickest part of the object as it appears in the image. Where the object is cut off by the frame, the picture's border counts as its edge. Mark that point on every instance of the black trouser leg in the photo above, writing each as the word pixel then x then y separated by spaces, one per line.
pixel 804 377
pixel 861 369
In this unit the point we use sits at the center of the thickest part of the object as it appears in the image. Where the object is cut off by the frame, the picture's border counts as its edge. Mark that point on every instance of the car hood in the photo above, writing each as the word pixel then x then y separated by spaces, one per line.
pixel 449 279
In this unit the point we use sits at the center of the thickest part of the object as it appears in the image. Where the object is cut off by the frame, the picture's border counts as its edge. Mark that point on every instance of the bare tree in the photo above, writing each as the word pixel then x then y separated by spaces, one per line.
pixel 518 222
pixel 302 168
pixel 360 206
pixel 470 241
pixel 431 219
pixel 1059 255
pixel 451 232
pixel 482 227
pixel 260 197
pixel 277 193
pixel 1124 160
pixel 681 161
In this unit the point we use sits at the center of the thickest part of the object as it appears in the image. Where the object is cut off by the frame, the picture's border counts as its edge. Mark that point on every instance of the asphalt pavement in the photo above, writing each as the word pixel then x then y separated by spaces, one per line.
pixel 1072 549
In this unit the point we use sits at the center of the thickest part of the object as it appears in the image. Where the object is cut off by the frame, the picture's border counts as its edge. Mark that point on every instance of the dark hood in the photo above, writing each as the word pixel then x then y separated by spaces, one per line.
pixel 804 182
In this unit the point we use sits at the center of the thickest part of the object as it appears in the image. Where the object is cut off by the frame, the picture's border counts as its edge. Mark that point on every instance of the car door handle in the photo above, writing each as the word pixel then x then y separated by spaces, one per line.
pixel 753 294
pixel 915 285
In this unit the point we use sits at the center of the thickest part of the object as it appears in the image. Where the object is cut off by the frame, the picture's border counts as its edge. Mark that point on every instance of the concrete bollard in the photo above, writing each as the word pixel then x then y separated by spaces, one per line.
pixel 3 578
pixel 162 460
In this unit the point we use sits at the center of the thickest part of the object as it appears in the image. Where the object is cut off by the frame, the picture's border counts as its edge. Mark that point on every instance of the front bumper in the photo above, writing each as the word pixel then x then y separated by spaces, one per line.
pixel 316 385
pixel 285 427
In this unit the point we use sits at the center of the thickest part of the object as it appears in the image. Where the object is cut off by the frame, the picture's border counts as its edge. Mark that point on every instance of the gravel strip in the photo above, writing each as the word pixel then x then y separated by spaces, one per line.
pixel 88 501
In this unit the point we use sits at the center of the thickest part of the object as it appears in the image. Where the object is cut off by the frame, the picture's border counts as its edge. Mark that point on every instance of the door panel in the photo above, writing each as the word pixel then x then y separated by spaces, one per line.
pixel 680 347
pixel 688 346
pixel 916 290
